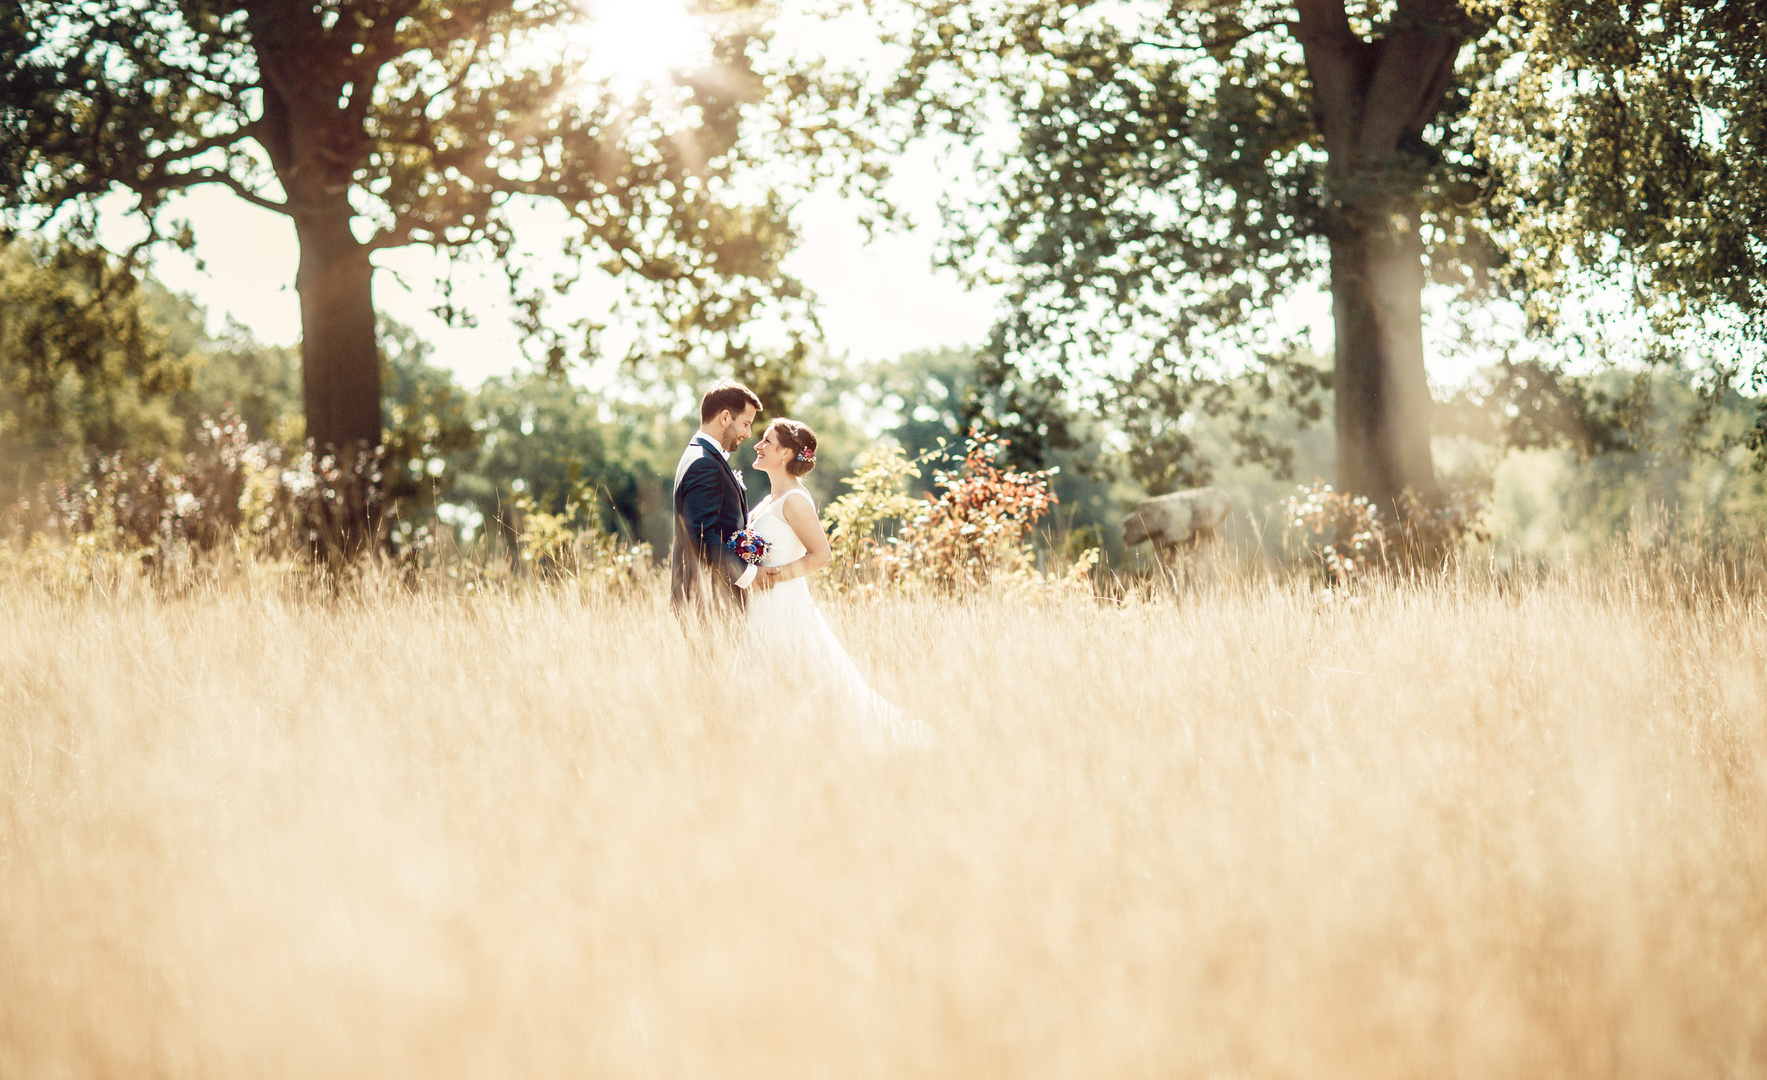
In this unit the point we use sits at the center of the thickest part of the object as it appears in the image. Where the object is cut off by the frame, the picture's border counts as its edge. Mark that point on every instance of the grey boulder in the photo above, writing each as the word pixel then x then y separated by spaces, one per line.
pixel 1181 518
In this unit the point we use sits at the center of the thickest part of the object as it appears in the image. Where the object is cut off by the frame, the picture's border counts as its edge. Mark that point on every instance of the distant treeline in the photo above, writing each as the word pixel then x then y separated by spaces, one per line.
pixel 94 362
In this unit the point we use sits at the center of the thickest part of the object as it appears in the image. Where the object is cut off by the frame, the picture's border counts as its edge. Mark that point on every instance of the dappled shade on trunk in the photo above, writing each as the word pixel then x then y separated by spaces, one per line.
pixel 340 357
pixel 1383 399
pixel 1373 100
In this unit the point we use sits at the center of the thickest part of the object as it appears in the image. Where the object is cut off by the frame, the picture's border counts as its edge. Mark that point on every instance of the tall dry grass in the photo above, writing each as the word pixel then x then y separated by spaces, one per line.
pixel 1465 830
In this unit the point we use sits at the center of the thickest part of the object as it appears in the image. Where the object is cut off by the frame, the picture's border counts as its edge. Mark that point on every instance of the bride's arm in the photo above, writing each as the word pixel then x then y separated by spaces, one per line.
pixel 803 521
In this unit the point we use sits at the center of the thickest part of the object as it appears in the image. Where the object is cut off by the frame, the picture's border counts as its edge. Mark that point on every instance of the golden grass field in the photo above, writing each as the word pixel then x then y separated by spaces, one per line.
pixel 1462 830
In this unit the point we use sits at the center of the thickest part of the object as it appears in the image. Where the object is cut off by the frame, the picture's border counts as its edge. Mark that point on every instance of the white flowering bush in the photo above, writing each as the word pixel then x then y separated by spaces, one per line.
pixel 229 489
pixel 1348 537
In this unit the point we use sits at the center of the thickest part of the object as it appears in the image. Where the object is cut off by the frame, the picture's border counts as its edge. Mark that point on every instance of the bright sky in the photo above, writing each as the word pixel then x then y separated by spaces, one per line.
pixel 878 299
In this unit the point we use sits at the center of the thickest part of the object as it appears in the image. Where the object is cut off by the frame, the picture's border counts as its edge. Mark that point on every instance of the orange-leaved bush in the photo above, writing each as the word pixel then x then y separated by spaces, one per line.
pixel 975 528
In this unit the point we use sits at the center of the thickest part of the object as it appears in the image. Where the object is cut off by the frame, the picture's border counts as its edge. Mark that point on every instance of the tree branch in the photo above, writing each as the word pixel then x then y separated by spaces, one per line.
pixel 181 181
pixel 1323 20
pixel 1226 41
pixel 1338 62
pixel 201 146
pixel 380 46
pixel 1406 86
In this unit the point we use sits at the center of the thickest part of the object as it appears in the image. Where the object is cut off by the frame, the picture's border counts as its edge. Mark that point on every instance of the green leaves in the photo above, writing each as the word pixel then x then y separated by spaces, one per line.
pixel 429 122
pixel 83 363
pixel 1167 188
pixel 1642 126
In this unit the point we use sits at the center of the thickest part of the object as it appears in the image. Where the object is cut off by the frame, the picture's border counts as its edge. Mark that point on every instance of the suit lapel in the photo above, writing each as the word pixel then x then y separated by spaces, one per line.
pixel 729 474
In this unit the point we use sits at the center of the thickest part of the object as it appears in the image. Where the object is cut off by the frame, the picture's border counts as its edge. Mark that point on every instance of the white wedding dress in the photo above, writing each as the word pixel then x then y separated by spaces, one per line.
pixel 786 624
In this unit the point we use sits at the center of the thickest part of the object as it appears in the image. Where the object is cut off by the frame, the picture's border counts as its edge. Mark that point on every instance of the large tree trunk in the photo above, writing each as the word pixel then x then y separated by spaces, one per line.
pixel 1373 99
pixel 315 144
pixel 312 128
pixel 340 361
pixel 1383 397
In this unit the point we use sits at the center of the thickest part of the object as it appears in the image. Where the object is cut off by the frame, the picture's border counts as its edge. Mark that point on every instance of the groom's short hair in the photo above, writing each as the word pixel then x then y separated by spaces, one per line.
pixel 725 394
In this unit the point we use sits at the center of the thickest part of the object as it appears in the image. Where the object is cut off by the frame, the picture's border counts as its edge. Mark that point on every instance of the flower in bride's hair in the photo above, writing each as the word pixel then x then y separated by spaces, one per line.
pixel 750 546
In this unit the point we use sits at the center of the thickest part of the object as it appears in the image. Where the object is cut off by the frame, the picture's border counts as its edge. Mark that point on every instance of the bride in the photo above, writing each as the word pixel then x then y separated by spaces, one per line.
pixel 783 619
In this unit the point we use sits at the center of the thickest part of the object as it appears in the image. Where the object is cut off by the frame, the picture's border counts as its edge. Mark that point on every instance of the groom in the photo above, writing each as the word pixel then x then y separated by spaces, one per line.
pixel 711 506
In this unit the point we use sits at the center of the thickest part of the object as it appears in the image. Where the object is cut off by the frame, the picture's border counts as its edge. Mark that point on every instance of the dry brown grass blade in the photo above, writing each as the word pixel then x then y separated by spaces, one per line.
pixel 1449 831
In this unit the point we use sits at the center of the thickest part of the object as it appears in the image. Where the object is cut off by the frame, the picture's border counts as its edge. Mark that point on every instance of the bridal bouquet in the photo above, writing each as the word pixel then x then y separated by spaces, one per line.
pixel 749 546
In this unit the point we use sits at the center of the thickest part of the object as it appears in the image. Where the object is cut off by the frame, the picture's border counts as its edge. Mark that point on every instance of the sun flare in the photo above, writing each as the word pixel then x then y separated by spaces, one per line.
pixel 639 43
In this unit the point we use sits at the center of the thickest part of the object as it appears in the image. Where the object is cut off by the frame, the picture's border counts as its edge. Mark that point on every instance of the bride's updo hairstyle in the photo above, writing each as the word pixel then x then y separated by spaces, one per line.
pixel 800 440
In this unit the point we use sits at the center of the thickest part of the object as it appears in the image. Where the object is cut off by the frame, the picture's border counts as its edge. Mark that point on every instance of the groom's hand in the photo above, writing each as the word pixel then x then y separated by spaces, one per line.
pixel 766 578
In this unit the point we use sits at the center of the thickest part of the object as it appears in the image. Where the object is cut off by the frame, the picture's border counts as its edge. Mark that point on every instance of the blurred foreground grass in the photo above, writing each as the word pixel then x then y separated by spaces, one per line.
pixel 1469 829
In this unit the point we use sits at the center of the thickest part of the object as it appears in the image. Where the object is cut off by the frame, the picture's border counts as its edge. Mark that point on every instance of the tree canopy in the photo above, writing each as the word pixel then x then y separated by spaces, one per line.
pixel 1162 179
pixel 1157 181
pixel 1630 135
pixel 374 124
pixel 1177 173
pixel 84 364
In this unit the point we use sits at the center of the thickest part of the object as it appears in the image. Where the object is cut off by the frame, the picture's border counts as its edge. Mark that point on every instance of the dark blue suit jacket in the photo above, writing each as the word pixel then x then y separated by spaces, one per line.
pixel 710 507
